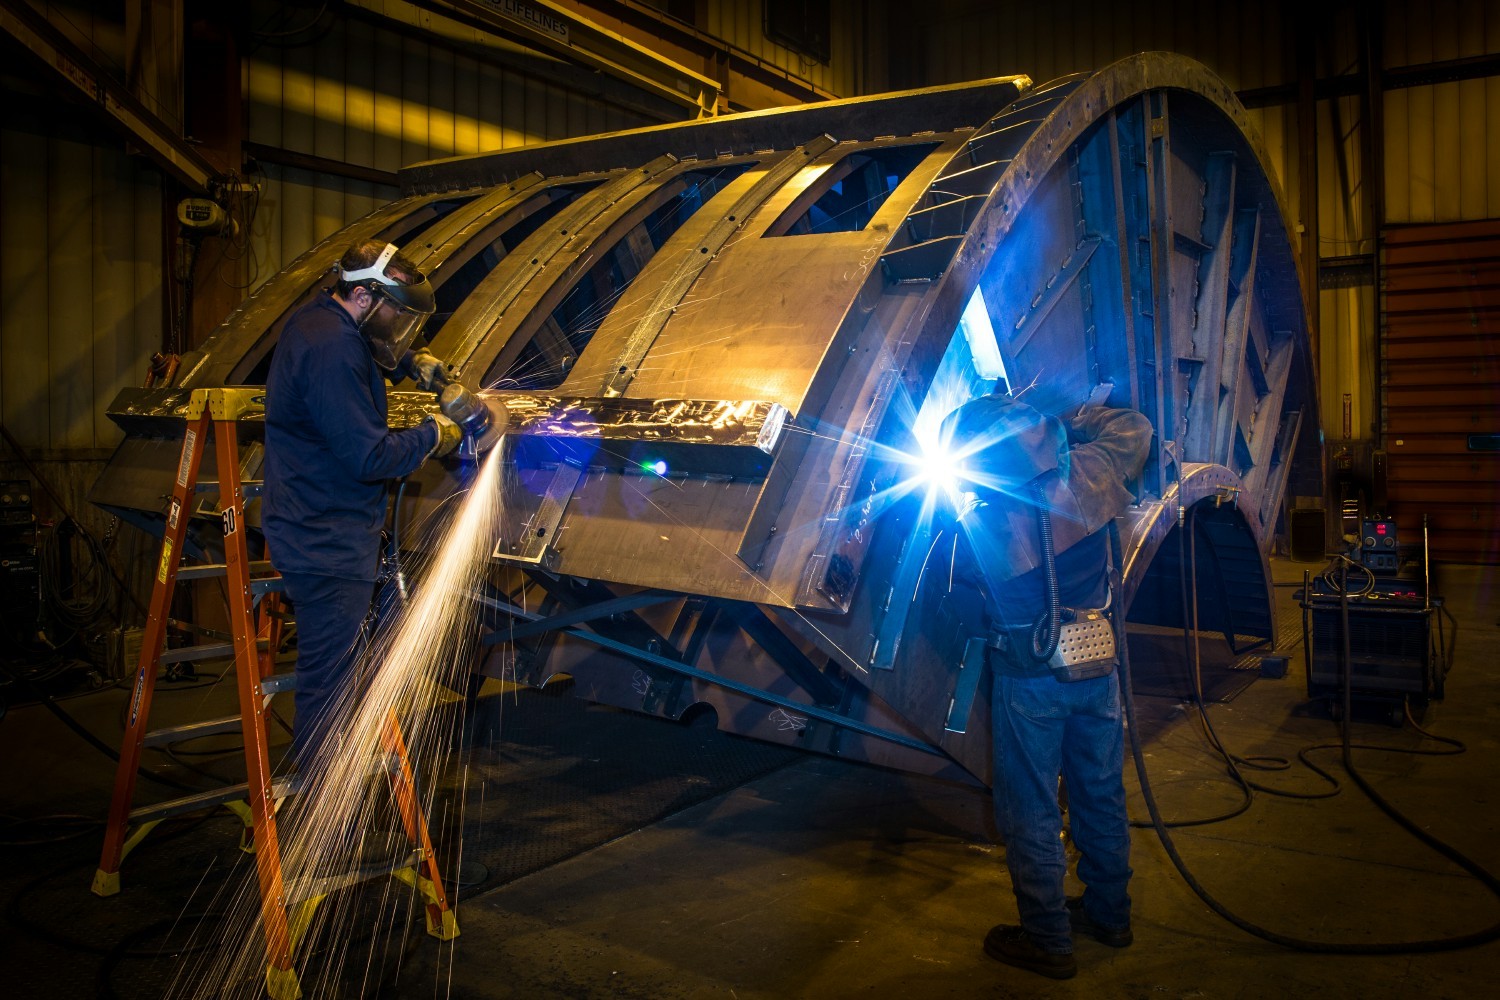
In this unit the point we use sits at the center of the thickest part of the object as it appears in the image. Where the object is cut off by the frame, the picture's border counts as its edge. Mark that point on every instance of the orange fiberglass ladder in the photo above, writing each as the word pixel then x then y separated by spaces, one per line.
pixel 256 635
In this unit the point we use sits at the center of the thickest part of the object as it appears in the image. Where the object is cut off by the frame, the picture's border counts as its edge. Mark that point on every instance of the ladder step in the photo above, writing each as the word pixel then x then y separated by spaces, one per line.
pixel 203 651
pixel 191 731
pixel 250 487
pixel 274 684
pixel 303 889
pixel 201 571
pixel 277 683
pixel 280 788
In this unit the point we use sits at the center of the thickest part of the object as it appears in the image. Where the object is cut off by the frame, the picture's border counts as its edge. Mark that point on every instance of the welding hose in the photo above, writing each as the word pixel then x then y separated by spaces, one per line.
pixel 1187 575
pixel 1489 881
pixel 1048 628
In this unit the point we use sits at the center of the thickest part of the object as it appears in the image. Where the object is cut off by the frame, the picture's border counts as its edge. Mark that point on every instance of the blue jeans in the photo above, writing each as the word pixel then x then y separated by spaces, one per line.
pixel 1044 729
pixel 330 613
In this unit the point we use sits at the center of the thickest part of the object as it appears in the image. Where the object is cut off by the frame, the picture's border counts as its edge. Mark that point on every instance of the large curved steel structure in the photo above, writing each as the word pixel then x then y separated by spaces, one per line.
pixel 722 342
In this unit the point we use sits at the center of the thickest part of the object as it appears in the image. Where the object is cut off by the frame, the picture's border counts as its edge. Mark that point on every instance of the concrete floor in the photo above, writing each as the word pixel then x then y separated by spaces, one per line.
pixel 829 879
pixel 826 879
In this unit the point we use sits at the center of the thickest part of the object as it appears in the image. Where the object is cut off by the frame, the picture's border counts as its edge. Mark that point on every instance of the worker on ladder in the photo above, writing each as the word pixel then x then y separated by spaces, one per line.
pixel 329 454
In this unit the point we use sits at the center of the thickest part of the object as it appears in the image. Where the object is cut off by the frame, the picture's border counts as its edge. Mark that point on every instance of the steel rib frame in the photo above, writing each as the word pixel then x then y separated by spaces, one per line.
pixel 555 624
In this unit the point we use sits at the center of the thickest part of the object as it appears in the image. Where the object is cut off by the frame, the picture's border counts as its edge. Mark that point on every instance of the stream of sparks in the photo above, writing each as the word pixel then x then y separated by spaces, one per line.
pixel 421 653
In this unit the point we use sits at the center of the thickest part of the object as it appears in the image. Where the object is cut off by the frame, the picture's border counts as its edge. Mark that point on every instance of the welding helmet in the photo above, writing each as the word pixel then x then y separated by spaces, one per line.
pixel 1007 442
pixel 399 310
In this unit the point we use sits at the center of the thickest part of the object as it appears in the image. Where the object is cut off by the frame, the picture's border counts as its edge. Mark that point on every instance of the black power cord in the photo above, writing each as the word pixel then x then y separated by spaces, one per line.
pixel 1489 881
pixel 84 734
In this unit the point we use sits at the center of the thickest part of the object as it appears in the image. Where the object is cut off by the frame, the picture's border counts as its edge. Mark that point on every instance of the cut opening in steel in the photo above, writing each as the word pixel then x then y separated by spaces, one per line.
pixel 549 356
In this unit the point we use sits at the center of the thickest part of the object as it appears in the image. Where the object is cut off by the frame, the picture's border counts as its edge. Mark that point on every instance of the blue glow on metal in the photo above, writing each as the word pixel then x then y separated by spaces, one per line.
pixel 980 334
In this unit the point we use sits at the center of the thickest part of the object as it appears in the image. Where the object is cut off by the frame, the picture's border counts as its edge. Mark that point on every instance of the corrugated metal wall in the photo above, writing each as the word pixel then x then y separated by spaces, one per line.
pixel 742 24
pixel 1442 142
pixel 379 97
pixel 1442 375
pixel 81 305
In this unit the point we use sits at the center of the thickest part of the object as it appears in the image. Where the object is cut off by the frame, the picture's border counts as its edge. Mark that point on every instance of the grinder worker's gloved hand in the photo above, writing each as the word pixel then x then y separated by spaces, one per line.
pixel 426 370
pixel 448 435
pixel 483 419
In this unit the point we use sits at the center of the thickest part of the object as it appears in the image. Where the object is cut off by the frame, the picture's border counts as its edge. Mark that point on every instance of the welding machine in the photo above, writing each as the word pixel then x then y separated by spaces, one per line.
pixel 1398 651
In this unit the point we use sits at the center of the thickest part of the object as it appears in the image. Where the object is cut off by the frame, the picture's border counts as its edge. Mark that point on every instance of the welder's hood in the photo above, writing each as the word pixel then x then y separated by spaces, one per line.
pixel 400 311
pixel 1002 444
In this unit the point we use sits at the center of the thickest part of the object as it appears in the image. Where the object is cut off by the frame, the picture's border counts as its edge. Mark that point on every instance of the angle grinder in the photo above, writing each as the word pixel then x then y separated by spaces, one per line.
pixel 481 416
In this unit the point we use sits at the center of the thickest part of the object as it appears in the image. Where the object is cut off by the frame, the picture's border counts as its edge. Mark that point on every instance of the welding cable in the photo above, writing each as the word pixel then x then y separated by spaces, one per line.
pixel 1188 576
pixel 1223 589
pixel 76 823
pixel 62 506
pixel 1048 628
pixel 393 550
pixel 1266 763
pixel 64 603
pixel 1189 638
pixel 1342 561
pixel 171 829
pixel 1296 944
pixel 62 714
pixel 111 957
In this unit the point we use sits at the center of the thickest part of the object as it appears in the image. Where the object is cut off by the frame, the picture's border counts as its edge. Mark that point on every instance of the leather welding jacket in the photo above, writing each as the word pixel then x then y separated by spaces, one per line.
pixel 1083 480
pixel 329 450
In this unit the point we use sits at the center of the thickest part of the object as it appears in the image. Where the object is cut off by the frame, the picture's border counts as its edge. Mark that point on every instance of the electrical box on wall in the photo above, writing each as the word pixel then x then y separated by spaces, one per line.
pixel 18 560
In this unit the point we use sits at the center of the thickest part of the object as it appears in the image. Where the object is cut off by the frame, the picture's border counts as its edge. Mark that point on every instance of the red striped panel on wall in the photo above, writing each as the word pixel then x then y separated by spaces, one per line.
pixel 1440 350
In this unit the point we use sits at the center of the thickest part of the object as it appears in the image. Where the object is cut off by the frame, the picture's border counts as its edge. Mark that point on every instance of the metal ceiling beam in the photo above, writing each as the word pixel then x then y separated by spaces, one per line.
pixel 155 137
pixel 750 82
pixel 551 28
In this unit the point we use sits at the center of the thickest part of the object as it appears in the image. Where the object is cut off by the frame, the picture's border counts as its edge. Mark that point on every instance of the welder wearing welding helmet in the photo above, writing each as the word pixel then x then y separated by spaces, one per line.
pixel 1018 462
pixel 1009 449
pixel 391 304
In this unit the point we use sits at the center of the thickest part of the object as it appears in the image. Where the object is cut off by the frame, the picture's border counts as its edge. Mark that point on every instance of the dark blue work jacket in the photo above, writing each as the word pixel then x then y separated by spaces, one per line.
pixel 329 450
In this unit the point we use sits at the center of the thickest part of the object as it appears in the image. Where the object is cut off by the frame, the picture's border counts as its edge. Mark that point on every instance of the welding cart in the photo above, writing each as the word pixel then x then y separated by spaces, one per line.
pixel 1400 636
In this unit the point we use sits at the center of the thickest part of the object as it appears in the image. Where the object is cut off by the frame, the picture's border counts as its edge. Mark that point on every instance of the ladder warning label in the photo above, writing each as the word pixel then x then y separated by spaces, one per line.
pixel 166 561
pixel 188 441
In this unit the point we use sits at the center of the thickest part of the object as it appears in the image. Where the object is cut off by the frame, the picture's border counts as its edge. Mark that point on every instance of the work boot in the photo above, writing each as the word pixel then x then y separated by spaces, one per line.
pixel 1115 937
pixel 1013 946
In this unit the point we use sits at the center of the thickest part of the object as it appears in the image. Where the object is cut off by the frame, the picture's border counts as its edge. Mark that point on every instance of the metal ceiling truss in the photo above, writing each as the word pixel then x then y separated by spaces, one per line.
pixel 724 342
pixel 88 80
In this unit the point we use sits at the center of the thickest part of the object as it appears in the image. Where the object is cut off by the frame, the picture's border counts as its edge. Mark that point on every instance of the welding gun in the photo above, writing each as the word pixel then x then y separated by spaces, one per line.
pixel 481 417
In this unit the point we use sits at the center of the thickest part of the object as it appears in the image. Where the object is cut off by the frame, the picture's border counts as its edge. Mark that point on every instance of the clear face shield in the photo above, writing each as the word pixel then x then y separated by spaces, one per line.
pixel 390 328
pixel 399 311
